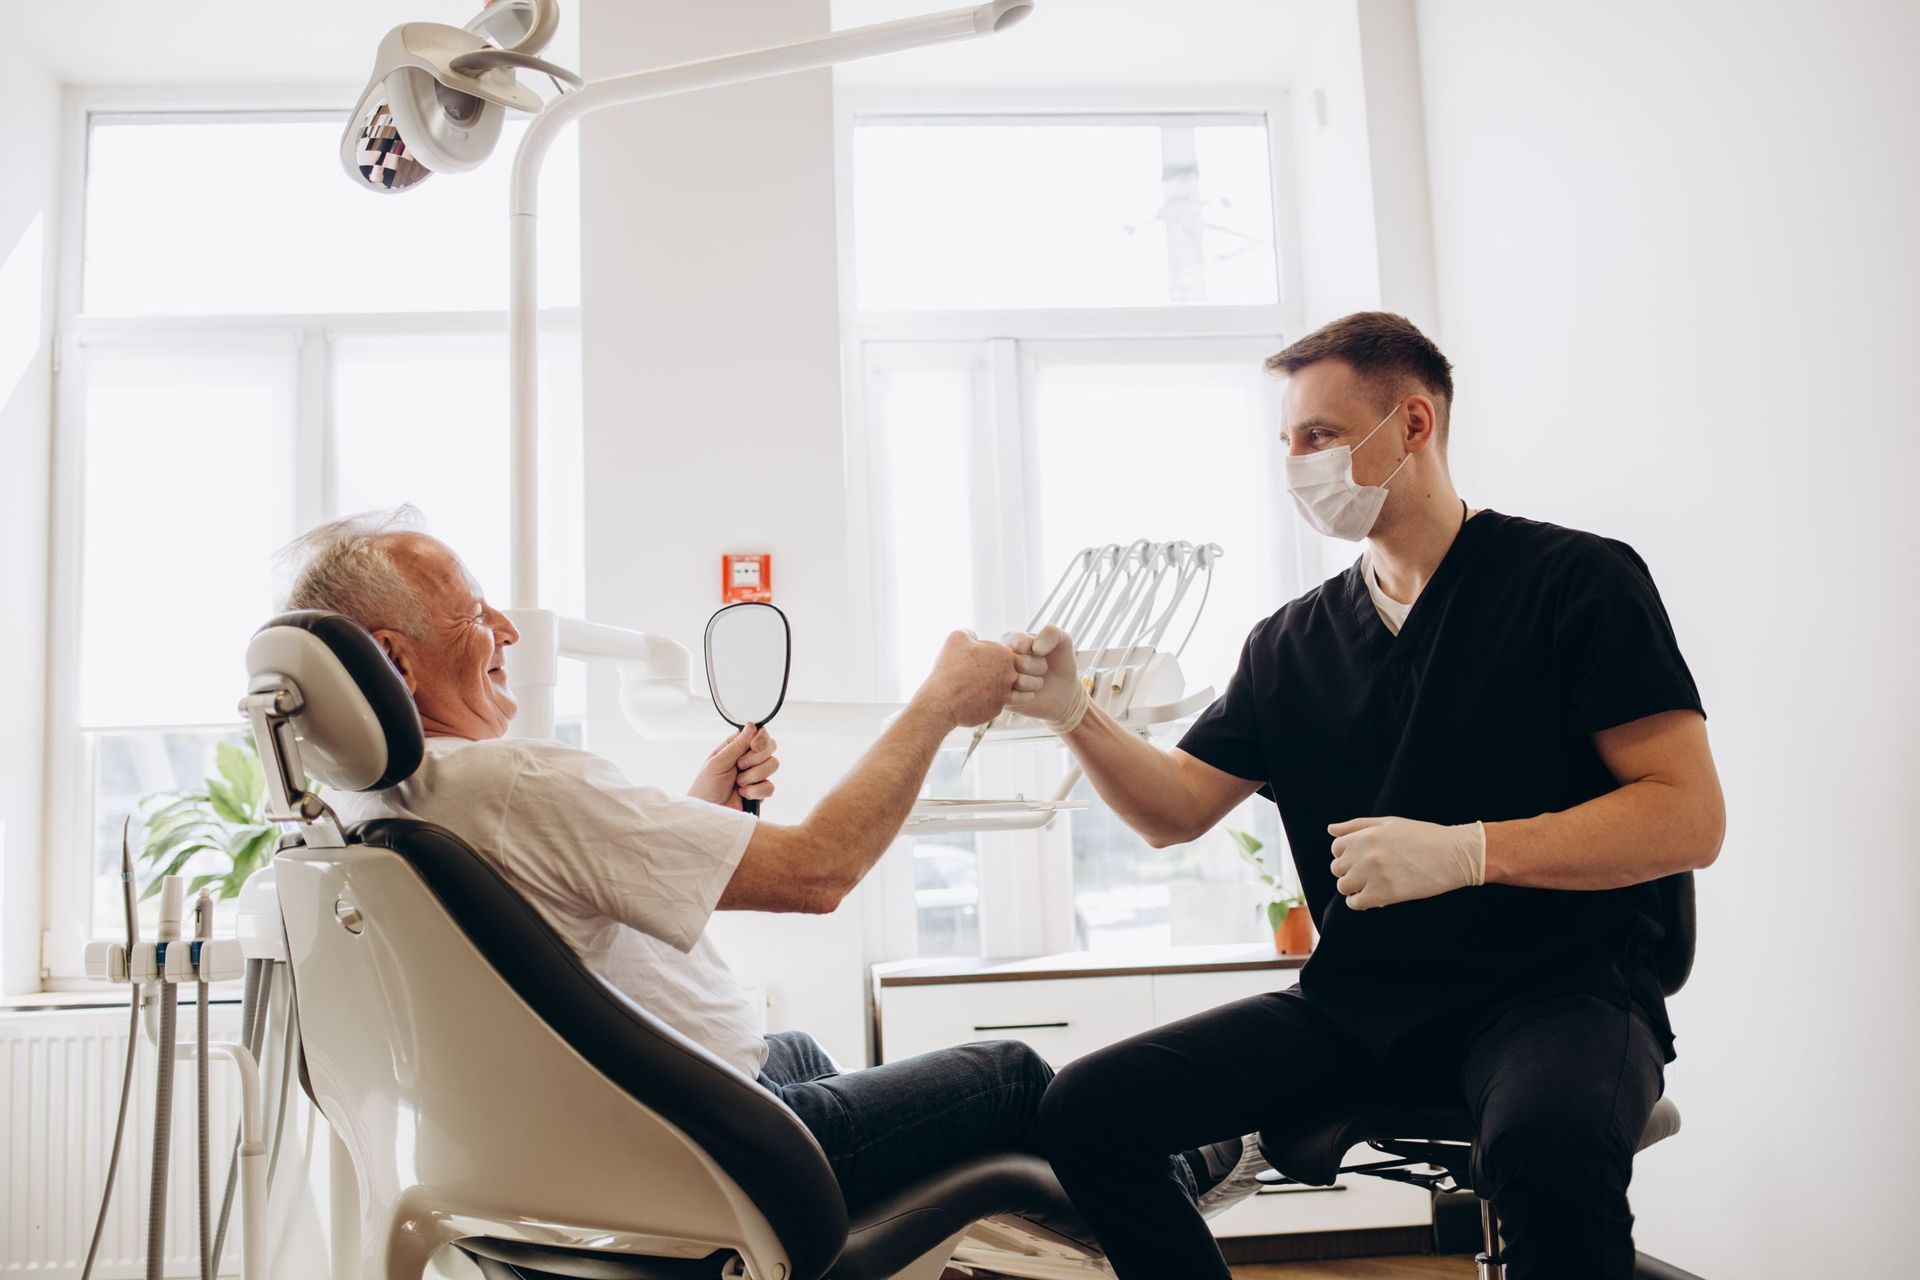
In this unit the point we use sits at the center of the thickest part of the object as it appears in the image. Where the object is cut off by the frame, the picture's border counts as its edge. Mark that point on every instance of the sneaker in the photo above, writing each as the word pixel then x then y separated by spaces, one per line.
pixel 1232 1170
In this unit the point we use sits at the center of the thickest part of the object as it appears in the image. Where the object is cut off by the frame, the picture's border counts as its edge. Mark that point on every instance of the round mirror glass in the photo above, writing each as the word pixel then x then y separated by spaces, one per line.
pixel 748 649
pixel 380 154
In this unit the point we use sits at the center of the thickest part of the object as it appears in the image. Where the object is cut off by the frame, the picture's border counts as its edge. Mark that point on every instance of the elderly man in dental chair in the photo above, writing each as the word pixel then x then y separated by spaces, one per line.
pixel 629 874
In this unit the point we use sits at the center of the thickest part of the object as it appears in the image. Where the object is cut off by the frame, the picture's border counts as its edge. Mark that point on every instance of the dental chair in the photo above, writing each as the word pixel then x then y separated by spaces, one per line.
pixel 497 1097
pixel 1434 1145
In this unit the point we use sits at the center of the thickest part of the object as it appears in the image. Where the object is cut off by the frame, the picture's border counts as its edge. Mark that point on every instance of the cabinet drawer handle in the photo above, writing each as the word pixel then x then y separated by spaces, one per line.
pixel 1020 1026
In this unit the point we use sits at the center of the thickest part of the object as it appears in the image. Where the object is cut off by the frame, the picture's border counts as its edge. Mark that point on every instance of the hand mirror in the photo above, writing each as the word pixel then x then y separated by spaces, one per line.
pixel 749 652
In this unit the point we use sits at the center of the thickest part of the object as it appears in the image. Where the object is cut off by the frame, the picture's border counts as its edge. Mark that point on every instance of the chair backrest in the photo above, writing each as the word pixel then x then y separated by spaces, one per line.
pixel 1673 955
pixel 475 1066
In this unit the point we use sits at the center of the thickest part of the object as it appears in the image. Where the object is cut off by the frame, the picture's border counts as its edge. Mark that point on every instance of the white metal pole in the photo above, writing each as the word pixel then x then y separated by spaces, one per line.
pixel 532 663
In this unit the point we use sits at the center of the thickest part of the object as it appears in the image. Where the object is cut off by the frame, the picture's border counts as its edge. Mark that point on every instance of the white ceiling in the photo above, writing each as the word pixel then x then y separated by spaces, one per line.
pixel 1098 44
pixel 1064 44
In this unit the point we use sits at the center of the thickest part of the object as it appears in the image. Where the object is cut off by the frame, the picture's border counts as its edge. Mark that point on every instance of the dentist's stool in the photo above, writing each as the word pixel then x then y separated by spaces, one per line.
pixel 1434 1145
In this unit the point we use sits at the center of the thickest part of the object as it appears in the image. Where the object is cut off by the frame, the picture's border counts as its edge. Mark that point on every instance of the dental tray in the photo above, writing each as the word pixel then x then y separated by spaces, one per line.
pixel 933 814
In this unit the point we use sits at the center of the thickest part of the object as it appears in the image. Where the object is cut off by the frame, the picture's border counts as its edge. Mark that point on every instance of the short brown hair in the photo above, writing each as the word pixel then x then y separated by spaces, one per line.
pixel 1383 349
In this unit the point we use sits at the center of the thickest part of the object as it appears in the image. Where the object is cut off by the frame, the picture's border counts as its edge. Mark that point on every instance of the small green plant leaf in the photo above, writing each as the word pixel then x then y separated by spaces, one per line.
pixel 232 763
pixel 173 867
pixel 226 804
pixel 225 820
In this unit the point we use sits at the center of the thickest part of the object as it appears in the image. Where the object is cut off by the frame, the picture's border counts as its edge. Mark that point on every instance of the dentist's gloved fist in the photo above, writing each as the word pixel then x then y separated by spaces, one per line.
pixel 1381 861
pixel 1048 687
pixel 740 766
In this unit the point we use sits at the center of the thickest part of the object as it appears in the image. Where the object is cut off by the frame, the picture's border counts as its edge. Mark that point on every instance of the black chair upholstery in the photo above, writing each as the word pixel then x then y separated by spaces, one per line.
pixel 896 1229
pixel 758 1142
pixel 387 698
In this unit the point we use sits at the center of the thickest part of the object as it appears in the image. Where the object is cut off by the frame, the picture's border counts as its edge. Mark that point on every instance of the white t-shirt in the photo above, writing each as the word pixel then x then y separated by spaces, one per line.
pixel 627 874
pixel 1391 611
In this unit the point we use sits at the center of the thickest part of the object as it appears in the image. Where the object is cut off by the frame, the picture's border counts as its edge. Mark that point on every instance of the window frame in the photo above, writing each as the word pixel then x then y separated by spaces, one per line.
pixel 1026 889
pixel 66 846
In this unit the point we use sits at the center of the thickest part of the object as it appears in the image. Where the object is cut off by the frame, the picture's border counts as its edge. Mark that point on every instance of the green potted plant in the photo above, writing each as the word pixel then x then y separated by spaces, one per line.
pixel 225 820
pixel 1286 909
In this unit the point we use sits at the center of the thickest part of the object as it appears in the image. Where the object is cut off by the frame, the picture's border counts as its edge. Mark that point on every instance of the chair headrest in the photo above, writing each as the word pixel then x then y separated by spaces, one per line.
pixel 358 728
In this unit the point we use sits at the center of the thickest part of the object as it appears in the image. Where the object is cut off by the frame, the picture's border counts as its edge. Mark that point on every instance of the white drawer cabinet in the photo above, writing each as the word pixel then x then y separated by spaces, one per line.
pixel 1068 1006
pixel 1061 1018
pixel 1180 995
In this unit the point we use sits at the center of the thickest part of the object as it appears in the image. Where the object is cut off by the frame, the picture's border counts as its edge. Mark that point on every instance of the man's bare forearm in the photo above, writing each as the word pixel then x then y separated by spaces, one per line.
pixel 1640 832
pixel 859 820
pixel 1136 779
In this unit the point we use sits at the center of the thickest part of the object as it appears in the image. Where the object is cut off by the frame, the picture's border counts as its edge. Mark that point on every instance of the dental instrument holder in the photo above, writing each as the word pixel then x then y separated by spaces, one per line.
pixel 751 645
pixel 1118 603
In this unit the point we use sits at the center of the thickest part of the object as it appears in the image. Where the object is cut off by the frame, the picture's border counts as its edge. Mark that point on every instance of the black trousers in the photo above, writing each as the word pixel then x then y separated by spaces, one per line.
pixel 1560 1091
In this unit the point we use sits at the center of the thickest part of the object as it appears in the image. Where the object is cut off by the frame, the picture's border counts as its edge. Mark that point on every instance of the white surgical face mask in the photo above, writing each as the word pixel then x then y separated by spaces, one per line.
pixel 1323 489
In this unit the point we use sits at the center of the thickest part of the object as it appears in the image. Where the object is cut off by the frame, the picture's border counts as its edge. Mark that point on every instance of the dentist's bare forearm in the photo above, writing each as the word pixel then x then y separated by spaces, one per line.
pixel 1641 832
pixel 1168 797
pixel 812 865
pixel 1667 815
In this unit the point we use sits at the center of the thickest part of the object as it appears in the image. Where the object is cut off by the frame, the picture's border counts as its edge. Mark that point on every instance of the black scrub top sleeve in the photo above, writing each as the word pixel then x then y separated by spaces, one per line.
pixel 1227 734
pixel 1618 653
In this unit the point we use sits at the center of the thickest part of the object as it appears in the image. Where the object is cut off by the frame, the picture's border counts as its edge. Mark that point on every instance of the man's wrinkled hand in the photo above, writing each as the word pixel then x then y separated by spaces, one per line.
pixel 971 680
pixel 741 766
pixel 1381 861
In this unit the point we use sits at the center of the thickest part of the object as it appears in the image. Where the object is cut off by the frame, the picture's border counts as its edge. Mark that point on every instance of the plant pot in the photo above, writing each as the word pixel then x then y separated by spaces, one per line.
pixel 1294 937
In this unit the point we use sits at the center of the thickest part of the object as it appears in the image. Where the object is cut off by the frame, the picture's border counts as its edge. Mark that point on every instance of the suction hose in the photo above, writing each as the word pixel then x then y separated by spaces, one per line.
pixel 162 1133
pixel 172 900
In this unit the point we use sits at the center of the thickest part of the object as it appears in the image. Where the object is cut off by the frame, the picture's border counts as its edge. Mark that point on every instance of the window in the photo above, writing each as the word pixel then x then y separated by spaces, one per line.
pixel 241 360
pixel 1057 325
pixel 964 212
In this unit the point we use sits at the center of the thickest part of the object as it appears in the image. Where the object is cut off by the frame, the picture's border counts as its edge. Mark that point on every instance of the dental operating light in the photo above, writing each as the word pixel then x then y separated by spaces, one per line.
pixel 435 103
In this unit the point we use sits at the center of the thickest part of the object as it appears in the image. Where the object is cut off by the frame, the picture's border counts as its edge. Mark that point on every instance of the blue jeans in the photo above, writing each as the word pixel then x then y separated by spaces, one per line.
pixel 884 1126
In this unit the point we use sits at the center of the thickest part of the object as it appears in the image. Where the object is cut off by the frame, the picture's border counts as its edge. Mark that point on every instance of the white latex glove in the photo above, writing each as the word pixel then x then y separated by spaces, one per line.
pixel 1048 687
pixel 1381 861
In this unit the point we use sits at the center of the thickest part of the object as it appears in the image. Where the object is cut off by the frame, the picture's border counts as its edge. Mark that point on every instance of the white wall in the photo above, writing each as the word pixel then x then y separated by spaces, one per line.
pixel 710 310
pixel 1360 162
pixel 30 104
pixel 1677 270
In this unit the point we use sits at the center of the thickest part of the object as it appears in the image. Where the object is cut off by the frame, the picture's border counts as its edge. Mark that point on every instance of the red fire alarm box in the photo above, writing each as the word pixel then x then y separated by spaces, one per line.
pixel 745 579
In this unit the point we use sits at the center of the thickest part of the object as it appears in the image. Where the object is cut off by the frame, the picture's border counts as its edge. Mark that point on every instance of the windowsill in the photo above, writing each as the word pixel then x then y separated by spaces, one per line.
pixel 1085 964
pixel 104 998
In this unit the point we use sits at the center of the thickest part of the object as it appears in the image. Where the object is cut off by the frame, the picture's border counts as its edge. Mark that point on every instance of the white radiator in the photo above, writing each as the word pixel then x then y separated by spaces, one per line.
pixel 59 1087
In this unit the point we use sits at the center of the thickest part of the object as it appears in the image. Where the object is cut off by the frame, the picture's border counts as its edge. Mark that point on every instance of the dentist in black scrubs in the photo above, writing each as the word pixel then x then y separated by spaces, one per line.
pixel 1484 745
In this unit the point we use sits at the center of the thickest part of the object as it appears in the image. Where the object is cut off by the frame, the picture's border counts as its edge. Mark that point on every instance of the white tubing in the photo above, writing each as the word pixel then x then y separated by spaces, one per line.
pixel 253 1200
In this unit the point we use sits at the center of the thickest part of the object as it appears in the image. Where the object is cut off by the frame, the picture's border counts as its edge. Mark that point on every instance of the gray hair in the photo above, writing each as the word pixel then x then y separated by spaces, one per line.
pixel 344 567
